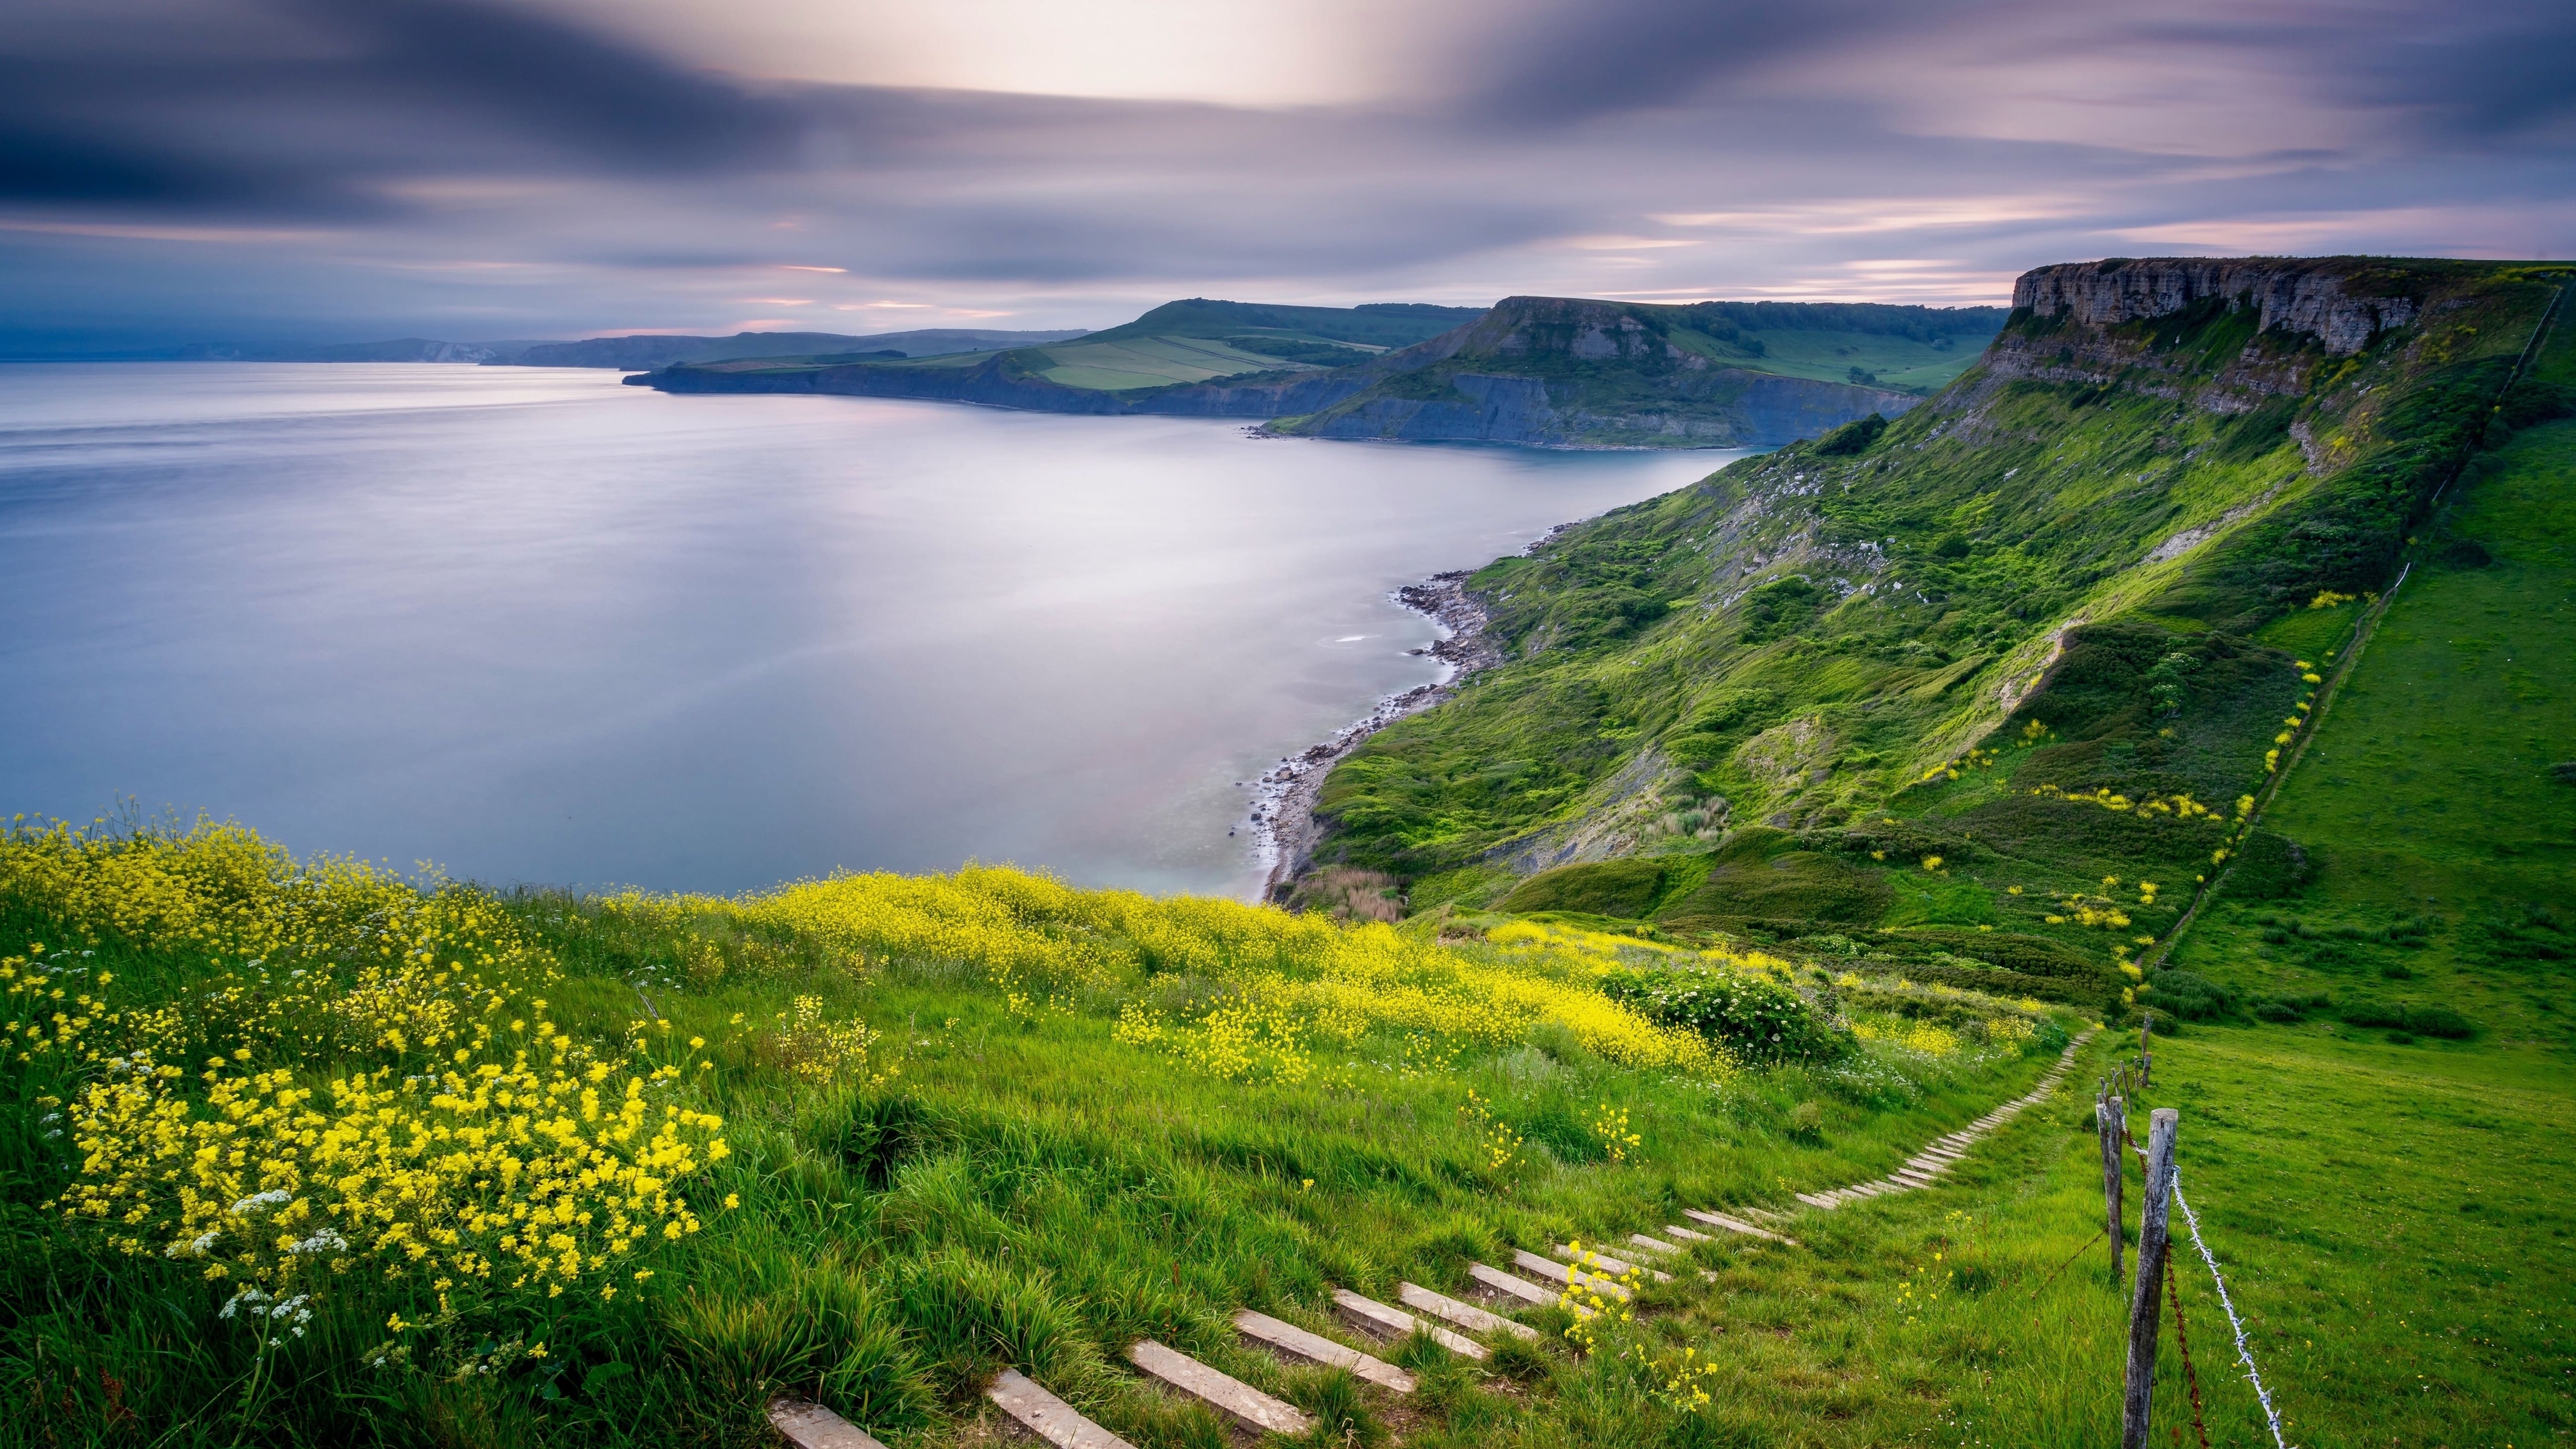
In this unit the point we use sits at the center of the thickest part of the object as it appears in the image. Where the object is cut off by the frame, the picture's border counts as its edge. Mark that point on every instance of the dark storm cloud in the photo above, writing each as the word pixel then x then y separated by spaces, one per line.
pixel 590 94
pixel 362 91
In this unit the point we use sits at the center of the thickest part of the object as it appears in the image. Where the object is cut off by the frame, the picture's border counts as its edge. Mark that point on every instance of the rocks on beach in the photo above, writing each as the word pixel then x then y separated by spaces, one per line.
pixel 1282 816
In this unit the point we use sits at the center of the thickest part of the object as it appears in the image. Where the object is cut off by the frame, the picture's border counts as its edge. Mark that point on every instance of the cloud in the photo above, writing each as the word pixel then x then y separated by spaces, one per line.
pixel 549 167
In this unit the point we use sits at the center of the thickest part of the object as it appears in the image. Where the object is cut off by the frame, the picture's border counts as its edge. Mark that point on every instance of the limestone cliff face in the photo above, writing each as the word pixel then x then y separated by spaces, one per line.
pixel 2319 297
pixel 2223 334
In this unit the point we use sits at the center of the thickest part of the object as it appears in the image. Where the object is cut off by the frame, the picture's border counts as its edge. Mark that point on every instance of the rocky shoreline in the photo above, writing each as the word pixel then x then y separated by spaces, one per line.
pixel 1283 808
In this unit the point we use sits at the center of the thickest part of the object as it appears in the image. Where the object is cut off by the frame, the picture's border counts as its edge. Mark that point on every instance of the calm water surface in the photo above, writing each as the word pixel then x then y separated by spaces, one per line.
pixel 534 625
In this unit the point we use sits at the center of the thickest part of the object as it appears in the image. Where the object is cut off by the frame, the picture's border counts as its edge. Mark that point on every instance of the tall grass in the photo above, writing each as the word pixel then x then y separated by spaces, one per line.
pixel 945 1145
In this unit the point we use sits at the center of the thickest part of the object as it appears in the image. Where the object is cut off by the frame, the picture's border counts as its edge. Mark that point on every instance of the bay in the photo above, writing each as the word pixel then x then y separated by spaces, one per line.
pixel 536 626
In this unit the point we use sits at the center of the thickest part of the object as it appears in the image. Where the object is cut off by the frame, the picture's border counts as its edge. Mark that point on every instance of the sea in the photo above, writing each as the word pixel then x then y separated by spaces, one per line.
pixel 532 626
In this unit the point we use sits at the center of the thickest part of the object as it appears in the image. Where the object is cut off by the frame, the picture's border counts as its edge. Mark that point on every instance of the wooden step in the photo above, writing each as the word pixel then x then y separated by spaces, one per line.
pixel 1811 1200
pixel 1731 1224
pixel 1372 1317
pixel 1652 1245
pixel 811 1426
pixel 1297 1343
pixel 1553 1272
pixel 1504 1283
pixel 1765 1214
pixel 1048 1417
pixel 1466 1315
pixel 1602 1262
pixel 1229 1396
pixel 1685 1234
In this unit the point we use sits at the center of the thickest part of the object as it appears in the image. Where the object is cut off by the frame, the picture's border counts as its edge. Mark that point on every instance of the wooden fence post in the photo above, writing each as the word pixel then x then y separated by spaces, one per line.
pixel 2146 1041
pixel 2163 1124
pixel 2111 1123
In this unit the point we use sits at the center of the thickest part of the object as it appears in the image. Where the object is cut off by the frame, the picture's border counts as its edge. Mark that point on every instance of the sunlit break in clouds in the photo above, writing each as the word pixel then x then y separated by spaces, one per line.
pixel 187 170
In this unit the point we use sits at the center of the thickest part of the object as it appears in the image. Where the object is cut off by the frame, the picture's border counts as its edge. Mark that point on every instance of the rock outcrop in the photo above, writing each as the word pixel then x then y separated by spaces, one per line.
pixel 2337 300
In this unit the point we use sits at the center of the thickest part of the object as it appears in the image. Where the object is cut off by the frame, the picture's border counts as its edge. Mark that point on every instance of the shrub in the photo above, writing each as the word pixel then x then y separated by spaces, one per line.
pixel 2269 866
pixel 1754 1016
pixel 2533 401
pixel 2439 1021
pixel 1601 888
pixel 1852 437
pixel 2193 998
pixel 1807 1122
pixel 1348 894
pixel 2285 1009
pixel 2532 934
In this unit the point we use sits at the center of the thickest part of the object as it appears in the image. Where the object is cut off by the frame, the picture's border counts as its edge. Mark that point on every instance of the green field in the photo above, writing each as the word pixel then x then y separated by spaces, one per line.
pixel 1146 362
pixel 2441 835
pixel 1828 355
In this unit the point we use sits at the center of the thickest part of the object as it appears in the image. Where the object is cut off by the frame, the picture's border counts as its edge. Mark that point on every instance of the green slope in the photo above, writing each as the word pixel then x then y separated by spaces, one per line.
pixel 1373 325
pixel 2436 808
pixel 1200 340
pixel 2044 628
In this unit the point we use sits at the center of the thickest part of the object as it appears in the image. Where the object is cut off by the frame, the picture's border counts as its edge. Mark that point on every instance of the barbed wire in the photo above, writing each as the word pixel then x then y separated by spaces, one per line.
pixel 2244 1355
pixel 2182 1340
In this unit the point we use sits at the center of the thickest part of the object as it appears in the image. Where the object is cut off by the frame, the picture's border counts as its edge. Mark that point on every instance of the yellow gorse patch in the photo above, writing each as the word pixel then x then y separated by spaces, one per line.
pixel 355 1074
pixel 1288 981
pixel 536 1169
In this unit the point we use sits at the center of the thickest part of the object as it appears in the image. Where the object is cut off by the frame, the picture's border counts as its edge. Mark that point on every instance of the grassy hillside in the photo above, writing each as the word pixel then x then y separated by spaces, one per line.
pixel 2434 814
pixel 534 1169
pixel 2045 629
pixel 1197 340
pixel 544 1169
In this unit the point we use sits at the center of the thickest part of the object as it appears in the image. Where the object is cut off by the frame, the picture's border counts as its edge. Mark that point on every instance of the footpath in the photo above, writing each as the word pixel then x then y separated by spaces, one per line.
pixel 1570 1275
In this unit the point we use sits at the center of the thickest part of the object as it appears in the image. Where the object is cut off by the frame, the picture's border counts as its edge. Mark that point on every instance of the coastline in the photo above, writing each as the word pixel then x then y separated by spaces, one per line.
pixel 1284 797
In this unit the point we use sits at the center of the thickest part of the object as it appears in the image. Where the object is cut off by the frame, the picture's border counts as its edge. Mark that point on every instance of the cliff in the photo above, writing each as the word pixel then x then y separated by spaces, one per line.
pixel 2342 302
pixel 1575 372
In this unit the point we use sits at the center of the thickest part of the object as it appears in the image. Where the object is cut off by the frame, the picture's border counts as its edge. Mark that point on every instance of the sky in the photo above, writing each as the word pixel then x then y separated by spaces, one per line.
pixel 472 170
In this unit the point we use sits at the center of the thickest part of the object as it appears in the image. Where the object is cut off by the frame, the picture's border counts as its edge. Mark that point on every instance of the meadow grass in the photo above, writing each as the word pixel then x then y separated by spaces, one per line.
pixel 2428 801
pixel 933 1162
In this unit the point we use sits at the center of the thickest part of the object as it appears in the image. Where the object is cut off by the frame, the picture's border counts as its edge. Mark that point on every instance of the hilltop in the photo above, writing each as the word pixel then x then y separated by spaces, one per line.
pixel 1715 374
pixel 1529 370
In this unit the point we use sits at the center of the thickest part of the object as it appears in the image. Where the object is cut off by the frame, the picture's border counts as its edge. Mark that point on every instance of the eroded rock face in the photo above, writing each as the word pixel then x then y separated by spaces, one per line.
pixel 2315 297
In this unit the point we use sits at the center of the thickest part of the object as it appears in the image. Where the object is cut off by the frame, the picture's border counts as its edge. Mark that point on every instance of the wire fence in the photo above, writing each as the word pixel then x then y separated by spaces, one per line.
pixel 2244 1354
